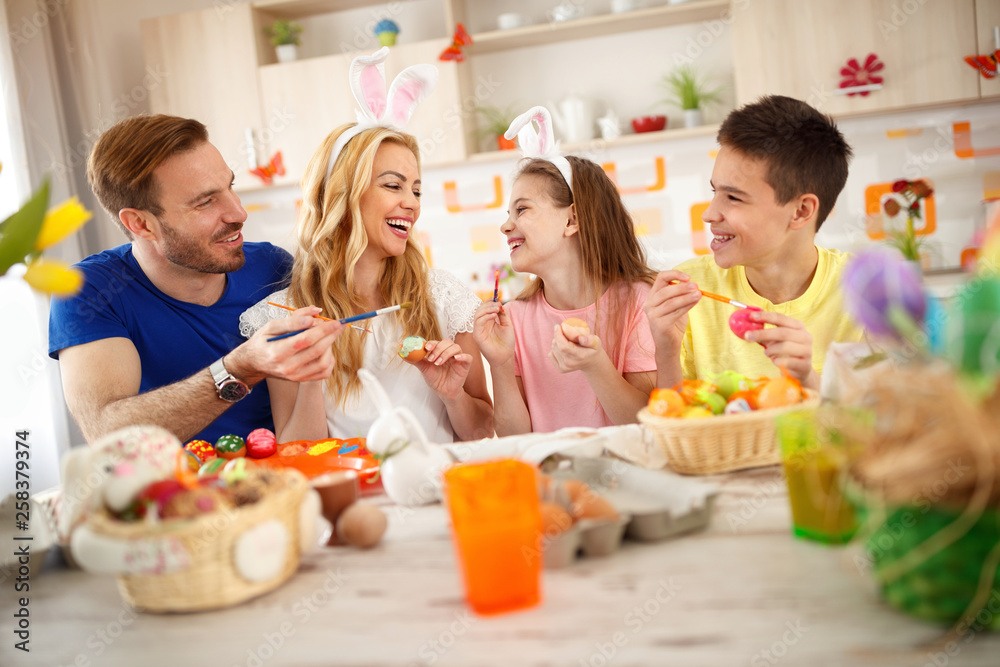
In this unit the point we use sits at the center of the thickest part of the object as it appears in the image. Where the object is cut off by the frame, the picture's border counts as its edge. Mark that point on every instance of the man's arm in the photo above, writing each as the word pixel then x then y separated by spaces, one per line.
pixel 101 384
pixel 101 379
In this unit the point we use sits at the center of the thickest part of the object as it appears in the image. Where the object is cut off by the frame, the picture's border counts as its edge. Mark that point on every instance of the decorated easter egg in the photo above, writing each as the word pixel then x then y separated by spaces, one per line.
pixel 749 395
pixel 665 403
pixel 211 468
pixel 711 400
pixel 880 286
pixel 412 349
pixel 779 392
pixel 231 446
pixel 573 328
pixel 361 525
pixel 737 406
pixel 740 322
pixel 261 443
pixel 235 470
pixel 696 412
pixel 729 382
pixel 191 460
pixel 203 450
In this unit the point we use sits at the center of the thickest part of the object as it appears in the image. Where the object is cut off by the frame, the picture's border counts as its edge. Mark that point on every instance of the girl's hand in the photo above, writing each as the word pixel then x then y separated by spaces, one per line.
pixel 671 297
pixel 445 368
pixel 568 356
pixel 494 334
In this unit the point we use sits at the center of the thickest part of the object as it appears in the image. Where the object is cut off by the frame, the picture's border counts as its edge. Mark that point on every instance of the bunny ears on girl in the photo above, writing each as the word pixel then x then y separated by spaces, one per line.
pixel 378 109
pixel 540 144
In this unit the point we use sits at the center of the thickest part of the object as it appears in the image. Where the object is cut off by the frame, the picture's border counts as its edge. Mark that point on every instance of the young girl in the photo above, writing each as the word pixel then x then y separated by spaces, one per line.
pixel 567 225
pixel 356 254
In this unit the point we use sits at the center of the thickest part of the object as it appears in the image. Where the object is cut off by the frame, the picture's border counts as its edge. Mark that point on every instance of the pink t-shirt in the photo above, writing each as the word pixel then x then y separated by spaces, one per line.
pixel 557 400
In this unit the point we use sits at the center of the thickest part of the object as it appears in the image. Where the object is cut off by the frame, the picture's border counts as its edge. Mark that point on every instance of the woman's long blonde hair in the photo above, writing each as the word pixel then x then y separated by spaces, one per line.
pixel 332 238
pixel 612 254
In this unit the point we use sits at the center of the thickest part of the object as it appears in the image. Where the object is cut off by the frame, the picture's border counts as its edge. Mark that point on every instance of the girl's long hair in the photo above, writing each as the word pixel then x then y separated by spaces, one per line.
pixel 332 238
pixel 612 254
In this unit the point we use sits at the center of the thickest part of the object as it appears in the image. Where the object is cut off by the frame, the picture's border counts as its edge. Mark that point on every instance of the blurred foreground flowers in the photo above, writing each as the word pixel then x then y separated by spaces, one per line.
pixel 30 230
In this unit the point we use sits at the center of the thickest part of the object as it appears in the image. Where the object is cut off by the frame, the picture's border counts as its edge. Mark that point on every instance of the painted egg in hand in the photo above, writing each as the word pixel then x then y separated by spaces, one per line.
pixel 741 323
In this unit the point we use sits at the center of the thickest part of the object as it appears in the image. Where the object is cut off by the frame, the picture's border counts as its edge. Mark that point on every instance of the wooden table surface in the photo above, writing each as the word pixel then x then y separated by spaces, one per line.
pixel 743 592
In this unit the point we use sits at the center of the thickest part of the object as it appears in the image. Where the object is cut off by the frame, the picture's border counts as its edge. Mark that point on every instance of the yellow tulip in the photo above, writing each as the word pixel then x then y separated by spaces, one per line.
pixel 60 222
pixel 54 277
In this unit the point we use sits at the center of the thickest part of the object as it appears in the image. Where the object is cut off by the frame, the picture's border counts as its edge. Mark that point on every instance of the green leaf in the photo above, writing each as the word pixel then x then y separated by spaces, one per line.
pixel 19 231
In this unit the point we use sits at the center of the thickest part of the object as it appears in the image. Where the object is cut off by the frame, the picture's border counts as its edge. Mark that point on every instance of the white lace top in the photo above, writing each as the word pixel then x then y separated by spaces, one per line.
pixel 455 305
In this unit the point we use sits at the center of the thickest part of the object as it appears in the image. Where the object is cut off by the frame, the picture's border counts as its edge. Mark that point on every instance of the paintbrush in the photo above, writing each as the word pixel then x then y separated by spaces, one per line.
pixel 352 318
pixel 724 299
pixel 496 288
pixel 319 317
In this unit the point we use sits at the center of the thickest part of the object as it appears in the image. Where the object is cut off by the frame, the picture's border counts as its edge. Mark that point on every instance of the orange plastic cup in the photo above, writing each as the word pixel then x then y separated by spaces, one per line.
pixel 495 524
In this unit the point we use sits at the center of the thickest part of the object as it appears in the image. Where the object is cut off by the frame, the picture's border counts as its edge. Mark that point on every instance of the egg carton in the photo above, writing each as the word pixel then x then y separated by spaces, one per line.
pixel 652 506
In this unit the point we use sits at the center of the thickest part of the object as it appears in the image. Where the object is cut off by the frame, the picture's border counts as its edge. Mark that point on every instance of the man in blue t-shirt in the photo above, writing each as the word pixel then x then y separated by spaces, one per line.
pixel 153 337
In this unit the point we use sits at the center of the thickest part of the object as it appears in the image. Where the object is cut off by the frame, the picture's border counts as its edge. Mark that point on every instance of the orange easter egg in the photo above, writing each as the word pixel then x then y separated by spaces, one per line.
pixel 666 403
pixel 779 392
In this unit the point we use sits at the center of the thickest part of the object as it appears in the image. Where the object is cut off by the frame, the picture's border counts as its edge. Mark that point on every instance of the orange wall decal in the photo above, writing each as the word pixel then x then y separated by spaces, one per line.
pixel 661 177
pixel 963 142
pixel 451 198
pixel 698 242
pixel 875 222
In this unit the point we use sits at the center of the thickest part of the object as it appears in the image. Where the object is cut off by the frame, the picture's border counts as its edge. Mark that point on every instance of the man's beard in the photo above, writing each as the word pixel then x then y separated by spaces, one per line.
pixel 185 251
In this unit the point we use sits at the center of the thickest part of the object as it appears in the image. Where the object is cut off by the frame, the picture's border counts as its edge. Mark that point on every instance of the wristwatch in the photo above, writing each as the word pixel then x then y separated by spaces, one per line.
pixel 226 386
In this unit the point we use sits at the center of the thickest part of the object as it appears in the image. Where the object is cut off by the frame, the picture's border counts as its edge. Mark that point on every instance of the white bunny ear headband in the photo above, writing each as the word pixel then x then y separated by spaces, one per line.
pixel 540 144
pixel 378 109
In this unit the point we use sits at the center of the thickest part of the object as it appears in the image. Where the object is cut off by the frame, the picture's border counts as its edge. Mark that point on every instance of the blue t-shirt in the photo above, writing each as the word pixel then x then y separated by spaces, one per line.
pixel 174 339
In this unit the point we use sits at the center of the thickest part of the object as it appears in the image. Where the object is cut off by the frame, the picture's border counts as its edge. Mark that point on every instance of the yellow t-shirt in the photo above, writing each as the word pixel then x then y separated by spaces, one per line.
pixel 710 347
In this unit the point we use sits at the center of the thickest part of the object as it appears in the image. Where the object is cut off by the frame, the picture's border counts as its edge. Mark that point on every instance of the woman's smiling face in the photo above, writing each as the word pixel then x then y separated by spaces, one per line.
pixel 391 204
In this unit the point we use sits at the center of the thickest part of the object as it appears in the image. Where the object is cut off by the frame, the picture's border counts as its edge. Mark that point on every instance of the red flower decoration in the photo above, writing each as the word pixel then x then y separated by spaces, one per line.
pixel 861 75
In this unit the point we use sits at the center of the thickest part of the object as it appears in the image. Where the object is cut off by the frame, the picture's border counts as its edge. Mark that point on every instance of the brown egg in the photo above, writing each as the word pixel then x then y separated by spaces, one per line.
pixel 361 525
pixel 587 504
pixel 555 519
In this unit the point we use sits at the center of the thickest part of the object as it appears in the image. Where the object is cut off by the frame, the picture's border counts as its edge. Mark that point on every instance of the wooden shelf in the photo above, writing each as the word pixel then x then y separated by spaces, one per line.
pixel 596 26
pixel 601 144
pixel 297 9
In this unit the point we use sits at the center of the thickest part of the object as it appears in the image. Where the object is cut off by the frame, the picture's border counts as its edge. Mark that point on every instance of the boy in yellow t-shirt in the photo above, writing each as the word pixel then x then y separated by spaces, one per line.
pixel 778 173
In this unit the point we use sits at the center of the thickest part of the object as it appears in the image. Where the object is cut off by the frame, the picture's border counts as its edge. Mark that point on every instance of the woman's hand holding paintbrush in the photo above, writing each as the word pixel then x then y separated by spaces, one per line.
pixel 345 320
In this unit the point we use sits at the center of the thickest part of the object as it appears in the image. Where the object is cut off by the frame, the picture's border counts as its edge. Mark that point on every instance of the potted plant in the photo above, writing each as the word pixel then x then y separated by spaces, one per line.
pixel 906 240
pixel 495 122
pixel 284 36
pixel 686 91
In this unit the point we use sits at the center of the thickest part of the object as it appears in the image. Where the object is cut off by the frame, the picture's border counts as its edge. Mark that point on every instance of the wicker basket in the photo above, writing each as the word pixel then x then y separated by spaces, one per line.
pixel 212 580
pixel 720 444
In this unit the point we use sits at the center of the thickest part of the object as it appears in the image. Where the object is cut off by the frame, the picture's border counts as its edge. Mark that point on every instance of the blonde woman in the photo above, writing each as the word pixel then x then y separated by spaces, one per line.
pixel 356 254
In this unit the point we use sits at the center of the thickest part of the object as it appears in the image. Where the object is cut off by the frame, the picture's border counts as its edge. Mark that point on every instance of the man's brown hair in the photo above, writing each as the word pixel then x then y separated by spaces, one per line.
pixel 122 162
pixel 803 150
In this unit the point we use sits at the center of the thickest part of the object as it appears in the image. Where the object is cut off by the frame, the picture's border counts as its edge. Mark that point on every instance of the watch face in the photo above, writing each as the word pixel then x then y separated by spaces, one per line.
pixel 233 391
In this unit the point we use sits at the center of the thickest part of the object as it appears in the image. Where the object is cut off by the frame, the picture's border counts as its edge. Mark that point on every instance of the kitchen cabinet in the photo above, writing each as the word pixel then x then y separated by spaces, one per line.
pixel 988 41
pixel 795 48
pixel 223 72
pixel 209 60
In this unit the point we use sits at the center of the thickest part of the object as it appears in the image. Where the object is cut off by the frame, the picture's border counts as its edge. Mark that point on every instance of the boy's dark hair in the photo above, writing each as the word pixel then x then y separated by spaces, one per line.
pixel 802 148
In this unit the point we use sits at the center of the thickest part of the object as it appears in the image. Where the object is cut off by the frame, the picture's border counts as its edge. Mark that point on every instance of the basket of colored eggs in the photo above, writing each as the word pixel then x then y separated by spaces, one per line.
pixel 712 427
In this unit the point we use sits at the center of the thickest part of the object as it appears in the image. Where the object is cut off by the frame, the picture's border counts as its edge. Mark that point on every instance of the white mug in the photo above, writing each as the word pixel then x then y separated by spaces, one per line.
pixel 566 12
pixel 510 21
pixel 621 6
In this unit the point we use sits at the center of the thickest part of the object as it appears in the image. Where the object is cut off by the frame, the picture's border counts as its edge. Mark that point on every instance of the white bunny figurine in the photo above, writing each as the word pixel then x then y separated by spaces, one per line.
pixel 412 467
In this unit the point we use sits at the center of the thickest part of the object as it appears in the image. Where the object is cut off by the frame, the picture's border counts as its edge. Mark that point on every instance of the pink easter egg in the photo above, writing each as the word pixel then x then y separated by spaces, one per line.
pixel 741 323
